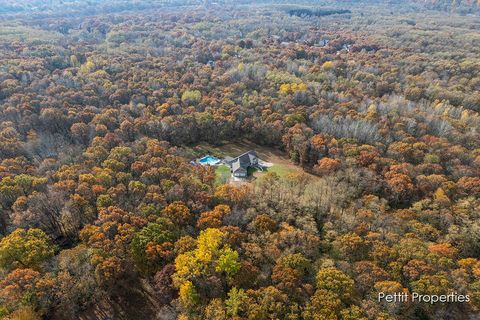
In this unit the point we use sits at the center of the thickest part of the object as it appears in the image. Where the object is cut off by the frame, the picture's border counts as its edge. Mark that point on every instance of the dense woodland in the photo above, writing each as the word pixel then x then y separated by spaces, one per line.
pixel 102 216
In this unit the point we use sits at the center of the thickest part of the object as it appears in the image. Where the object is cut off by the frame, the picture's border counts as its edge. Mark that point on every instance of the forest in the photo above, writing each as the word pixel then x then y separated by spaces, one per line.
pixel 103 215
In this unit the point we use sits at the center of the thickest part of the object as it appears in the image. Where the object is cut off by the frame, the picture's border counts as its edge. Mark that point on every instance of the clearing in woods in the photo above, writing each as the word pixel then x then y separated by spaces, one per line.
pixel 281 164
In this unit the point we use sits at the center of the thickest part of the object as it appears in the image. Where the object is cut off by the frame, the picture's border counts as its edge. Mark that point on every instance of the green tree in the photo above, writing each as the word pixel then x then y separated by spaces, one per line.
pixel 191 97
pixel 149 246
pixel 235 301
pixel 228 262
pixel 25 249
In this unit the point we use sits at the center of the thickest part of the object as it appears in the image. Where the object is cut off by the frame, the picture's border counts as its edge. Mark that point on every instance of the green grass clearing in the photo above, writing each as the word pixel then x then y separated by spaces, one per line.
pixel 222 173
pixel 281 170
pixel 281 162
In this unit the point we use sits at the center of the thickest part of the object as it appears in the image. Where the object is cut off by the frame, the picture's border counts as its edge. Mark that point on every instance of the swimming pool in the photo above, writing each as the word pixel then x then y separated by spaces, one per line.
pixel 210 160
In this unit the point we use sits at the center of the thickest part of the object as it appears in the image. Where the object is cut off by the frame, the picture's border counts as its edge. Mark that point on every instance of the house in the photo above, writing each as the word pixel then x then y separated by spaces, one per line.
pixel 323 43
pixel 239 165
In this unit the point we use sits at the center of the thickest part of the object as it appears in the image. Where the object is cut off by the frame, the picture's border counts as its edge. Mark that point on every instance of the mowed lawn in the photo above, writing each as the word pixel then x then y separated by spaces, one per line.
pixel 281 163
pixel 222 173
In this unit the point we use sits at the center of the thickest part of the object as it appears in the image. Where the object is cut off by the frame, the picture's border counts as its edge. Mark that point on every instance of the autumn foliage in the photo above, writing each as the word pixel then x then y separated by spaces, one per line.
pixel 370 112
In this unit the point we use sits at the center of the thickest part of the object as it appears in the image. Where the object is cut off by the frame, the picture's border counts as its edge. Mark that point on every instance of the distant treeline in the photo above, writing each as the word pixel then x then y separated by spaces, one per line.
pixel 317 13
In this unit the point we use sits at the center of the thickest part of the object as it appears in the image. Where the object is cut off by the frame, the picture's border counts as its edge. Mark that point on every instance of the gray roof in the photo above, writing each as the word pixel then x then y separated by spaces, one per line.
pixel 237 167
pixel 243 161
pixel 247 158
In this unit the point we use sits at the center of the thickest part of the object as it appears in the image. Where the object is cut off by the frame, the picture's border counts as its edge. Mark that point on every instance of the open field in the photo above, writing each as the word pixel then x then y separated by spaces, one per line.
pixel 223 174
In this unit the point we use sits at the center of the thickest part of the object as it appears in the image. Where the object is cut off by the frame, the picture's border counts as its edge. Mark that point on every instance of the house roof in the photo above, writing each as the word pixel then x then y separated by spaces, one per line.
pixel 243 161
pixel 248 157
pixel 236 167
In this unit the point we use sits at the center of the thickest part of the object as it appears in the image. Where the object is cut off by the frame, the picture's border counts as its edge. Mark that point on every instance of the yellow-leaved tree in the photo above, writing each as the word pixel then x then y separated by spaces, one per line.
pixel 210 258
pixel 25 249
